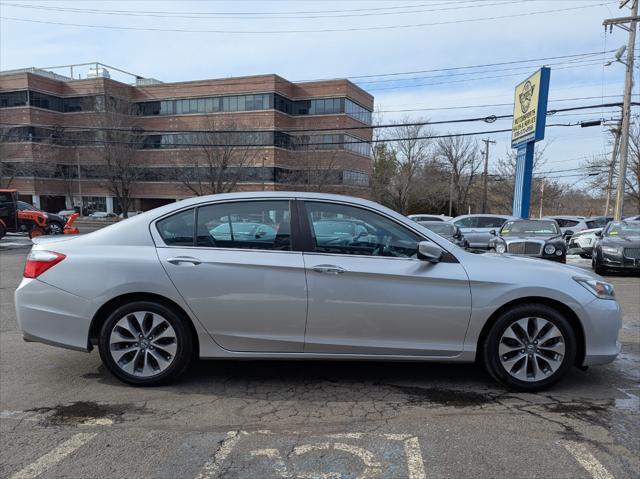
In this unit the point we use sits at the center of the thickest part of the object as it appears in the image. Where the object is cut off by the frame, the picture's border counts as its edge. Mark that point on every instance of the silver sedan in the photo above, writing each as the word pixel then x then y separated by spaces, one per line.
pixel 333 277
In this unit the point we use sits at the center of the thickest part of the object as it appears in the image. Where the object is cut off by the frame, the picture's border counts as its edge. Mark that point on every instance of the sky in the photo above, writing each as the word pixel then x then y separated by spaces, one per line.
pixel 306 40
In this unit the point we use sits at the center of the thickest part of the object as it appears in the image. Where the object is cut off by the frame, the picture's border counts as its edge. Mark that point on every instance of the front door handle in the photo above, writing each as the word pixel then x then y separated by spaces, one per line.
pixel 184 259
pixel 328 269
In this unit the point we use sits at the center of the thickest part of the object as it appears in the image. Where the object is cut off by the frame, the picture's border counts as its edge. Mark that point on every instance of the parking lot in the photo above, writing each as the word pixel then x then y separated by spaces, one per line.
pixel 63 415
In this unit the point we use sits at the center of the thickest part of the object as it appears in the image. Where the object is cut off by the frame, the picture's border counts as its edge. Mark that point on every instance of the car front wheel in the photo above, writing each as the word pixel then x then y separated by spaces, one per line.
pixel 529 347
pixel 595 264
pixel 145 343
pixel 55 228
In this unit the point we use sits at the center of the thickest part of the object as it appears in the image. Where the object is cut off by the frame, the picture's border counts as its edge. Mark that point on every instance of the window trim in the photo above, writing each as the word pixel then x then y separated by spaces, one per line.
pixel 308 242
pixel 295 228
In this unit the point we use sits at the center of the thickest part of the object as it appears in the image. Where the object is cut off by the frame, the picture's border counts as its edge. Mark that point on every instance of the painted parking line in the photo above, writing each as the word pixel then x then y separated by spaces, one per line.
pixel 54 456
pixel 212 466
pixel 587 460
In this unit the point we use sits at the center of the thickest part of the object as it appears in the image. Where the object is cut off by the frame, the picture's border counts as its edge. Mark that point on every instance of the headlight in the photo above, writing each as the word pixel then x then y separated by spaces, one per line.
pixel 549 249
pixel 610 249
pixel 600 289
pixel 501 248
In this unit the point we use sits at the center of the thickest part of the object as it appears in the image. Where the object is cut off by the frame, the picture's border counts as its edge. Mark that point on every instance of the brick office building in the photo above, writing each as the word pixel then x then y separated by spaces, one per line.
pixel 311 135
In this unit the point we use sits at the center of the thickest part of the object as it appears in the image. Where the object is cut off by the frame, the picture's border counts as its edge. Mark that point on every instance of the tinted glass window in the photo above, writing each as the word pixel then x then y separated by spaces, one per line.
pixel 245 225
pixel 490 222
pixel 348 230
pixel 177 230
pixel 470 222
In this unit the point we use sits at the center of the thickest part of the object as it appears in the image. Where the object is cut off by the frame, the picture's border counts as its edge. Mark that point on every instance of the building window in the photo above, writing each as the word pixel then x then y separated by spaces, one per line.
pixel 14 98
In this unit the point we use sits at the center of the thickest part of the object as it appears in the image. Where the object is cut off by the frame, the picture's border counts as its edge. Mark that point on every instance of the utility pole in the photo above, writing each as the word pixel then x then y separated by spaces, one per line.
pixel 626 106
pixel 485 176
pixel 79 179
pixel 451 193
pixel 616 143
pixel 541 196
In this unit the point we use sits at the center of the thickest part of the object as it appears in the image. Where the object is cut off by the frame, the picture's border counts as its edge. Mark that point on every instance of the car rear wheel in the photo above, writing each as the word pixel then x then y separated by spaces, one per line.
pixel 145 343
pixel 529 347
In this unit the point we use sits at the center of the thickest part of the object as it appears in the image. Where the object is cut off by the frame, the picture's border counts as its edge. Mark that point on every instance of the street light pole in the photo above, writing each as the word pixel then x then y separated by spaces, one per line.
pixel 79 178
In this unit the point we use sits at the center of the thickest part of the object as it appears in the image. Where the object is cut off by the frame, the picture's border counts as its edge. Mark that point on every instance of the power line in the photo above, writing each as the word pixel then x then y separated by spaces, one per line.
pixel 306 31
pixel 486 119
pixel 254 16
pixel 201 13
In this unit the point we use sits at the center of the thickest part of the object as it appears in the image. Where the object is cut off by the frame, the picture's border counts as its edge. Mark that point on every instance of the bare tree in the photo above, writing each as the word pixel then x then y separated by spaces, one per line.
pixel 461 156
pixel 411 151
pixel 633 164
pixel 117 141
pixel 219 157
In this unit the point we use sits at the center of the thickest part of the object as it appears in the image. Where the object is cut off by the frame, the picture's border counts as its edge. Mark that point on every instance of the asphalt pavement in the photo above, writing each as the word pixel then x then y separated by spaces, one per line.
pixel 63 415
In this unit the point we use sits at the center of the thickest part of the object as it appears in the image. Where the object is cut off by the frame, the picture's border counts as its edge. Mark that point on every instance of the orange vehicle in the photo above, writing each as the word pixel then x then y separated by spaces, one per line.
pixel 33 222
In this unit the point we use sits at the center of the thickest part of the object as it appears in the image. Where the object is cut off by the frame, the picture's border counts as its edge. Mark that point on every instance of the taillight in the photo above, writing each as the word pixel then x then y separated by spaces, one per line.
pixel 39 261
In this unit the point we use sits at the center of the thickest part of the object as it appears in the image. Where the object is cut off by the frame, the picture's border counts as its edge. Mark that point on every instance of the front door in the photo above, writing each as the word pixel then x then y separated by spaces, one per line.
pixel 239 274
pixel 368 292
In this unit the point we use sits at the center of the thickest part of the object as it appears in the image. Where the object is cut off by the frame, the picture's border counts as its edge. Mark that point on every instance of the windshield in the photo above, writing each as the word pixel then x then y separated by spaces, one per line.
pixel 529 228
pixel 443 229
pixel 624 228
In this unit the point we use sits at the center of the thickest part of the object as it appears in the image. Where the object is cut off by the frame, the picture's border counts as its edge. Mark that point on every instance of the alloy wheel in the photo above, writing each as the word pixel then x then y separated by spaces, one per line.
pixel 143 344
pixel 55 229
pixel 531 349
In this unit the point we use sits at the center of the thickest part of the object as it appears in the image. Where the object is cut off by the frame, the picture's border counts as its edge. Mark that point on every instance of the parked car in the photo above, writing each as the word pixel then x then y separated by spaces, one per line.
pixel 618 248
pixel 243 232
pixel 102 215
pixel 447 230
pixel 66 213
pixel 582 242
pixel 426 217
pixel 154 291
pixel 535 238
pixel 579 223
pixel 129 214
pixel 477 228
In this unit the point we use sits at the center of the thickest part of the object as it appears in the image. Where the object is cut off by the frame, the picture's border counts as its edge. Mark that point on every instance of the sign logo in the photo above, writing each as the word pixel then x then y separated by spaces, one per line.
pixel 530 108
pixel 526 95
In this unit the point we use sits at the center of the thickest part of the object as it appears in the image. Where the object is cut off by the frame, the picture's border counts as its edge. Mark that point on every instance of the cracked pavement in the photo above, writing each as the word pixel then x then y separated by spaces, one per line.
pixel 311 418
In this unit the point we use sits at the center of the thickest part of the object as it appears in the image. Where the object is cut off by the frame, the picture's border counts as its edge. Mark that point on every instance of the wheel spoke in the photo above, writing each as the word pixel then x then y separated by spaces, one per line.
pixel 117 354
pixel 521 372
pixel 550 333
pixel 557 347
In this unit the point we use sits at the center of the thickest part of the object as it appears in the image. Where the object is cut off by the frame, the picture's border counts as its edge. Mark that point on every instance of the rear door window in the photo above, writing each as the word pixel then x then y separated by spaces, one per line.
pixel 177 229
pixel 262 225
pixel 490 222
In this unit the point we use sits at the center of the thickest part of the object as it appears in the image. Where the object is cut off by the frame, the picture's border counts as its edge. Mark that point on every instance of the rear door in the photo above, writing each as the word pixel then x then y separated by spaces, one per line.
pixel 369 294
pixel 239 273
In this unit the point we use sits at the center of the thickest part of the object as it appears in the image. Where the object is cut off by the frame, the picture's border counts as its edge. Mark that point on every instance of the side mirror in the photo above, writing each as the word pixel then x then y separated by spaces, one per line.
pixel 430 252
pixel 567 233
pixel 492 232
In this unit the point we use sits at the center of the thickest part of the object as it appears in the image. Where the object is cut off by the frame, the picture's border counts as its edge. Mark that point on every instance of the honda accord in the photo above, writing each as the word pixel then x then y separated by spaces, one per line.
pixel 190 280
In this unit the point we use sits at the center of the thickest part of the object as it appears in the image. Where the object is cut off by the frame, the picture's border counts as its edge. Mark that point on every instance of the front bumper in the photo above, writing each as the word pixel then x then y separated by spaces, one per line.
pixel 620 262
pixel 601 320
pixel 52 316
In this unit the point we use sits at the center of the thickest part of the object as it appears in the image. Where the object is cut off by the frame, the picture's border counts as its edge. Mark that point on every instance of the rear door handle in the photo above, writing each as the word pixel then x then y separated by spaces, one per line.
pixel 328 269
pixel 184 259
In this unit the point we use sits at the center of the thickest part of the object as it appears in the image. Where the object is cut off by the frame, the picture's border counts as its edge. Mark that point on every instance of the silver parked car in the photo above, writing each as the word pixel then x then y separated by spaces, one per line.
pixel 169 284
pixel 477 228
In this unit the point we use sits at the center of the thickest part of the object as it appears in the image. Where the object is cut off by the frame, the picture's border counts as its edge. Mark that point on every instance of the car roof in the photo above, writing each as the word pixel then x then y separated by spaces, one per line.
pixel 486 215
pixel 577 218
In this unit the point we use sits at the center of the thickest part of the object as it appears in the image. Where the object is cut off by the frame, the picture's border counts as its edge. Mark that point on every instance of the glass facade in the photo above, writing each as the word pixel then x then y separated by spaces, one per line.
pixel 330 141
pixel 357 112
pixel 217 104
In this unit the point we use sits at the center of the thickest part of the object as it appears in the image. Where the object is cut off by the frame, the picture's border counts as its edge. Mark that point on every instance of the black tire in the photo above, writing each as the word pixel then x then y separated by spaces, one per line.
pixel 56 228
pixel 183 339
pixel 597 267
pixel 3 231
pixel 490 348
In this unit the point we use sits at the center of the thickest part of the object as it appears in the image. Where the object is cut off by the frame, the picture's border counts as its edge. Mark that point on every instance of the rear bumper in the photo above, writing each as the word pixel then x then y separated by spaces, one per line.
pixel 602 320
pixel 52 316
